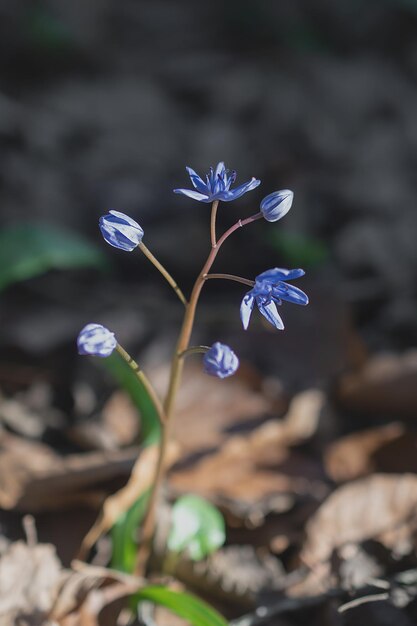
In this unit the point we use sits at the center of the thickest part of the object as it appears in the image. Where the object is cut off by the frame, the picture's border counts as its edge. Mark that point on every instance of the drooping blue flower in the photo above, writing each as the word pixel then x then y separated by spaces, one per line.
pixel 270 290
pixel 217 185
pixel 220 361
pixel 120 231
pixel 96 340
pixel 277 204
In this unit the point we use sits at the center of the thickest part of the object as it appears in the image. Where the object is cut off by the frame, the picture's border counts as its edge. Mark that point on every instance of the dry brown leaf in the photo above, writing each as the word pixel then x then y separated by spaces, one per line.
pixel 381 507
pixel 139 481
pixel 207 409
pixel 386 385
pixel 354 455
pixel 33 478
pixel 35 589
pixel 258 471
pixel 28 576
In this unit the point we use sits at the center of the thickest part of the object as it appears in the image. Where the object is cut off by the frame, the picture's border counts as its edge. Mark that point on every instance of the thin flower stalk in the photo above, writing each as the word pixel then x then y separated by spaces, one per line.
pixel 175 378
pixel 213 216
pixel 236 279
pixel 163 271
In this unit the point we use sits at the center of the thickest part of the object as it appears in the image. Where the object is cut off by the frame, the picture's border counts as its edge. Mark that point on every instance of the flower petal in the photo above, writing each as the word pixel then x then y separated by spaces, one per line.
pixel 197 182
pixel 193 194
pixel 270 312
pixel 276 274
pixel 233 194
pixel 220 170
pixel 246 309
pixel 231 179
pixel 290 293
pixel 122 218
pixel 116 238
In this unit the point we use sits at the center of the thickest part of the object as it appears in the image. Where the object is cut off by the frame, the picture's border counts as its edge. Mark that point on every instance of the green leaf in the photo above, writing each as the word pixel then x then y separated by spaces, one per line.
pixel 185 605
pixel 123 534
pixel 197 526
pixel 28 250
pixel 299 250
pixel 127 380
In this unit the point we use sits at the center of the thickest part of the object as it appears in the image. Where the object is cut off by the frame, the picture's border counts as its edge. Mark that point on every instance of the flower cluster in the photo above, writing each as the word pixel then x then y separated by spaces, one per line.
pixel 270 288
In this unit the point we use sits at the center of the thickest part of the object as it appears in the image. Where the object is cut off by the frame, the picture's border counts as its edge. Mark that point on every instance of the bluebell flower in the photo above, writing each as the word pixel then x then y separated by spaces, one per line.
pixel 217 185
pixel 96 340
pixel 120 231
pixel 270 290
pixel 277 204
pixel 220 361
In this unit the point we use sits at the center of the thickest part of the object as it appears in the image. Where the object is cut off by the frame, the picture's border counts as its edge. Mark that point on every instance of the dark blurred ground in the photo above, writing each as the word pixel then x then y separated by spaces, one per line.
pixel 103 103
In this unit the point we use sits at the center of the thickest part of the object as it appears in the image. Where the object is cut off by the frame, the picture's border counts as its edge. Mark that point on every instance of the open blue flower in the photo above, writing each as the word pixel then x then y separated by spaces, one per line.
pixel 217 185
pixel 96 340
pixel 120 231
pixel 220 361
pixel 270 290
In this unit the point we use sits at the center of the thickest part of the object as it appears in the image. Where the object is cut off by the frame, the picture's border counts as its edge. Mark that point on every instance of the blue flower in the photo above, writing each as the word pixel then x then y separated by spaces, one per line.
pixel 217 185
pixel 220 361
pixel 120 231
pixel 276 205
pixel 96 340
pixel 270 290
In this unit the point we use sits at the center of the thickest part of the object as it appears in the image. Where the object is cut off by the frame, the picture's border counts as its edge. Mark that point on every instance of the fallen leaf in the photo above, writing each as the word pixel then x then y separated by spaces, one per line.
pixel 28 576
pixel 258 473
pixel 34 478
pixel 208 410
pixel 35 589
pixel 381 507
pixel 385 386
pixel 353 456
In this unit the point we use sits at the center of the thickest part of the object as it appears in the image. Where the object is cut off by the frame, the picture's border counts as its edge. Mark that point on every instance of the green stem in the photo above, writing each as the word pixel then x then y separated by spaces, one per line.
pixel 163 271
pixel 237 279
pixel 176 372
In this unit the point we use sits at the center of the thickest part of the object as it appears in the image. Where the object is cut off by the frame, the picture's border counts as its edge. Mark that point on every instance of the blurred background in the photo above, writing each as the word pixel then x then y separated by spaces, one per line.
pixel 102 105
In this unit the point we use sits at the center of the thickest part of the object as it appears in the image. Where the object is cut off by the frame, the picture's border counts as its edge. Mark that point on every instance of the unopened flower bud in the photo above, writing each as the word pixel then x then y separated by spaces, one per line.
pixel 277 204
pixel 120 231
pixel 220 361
pixel 96 340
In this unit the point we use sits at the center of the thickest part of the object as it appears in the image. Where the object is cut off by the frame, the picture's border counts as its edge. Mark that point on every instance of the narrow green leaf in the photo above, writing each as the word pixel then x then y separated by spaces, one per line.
pixel 127 380
pixel 28 250
pixel 123 535
pixel 197 527
pixel 185 605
